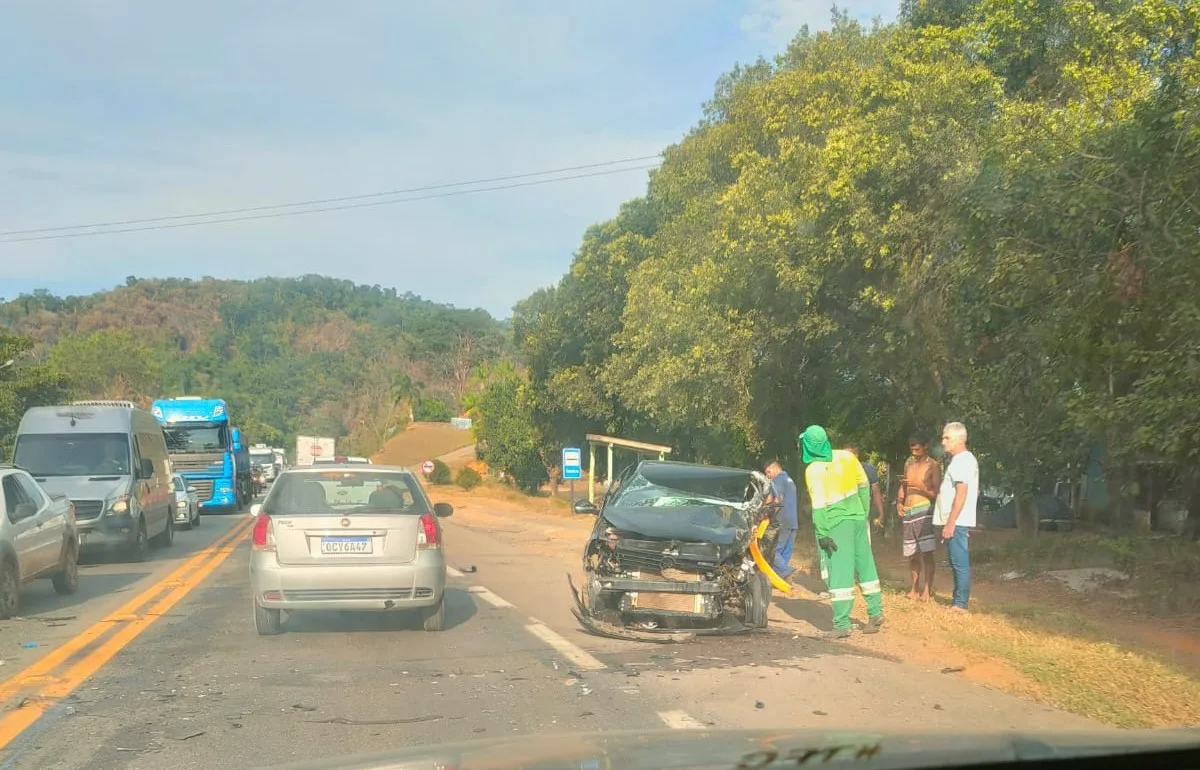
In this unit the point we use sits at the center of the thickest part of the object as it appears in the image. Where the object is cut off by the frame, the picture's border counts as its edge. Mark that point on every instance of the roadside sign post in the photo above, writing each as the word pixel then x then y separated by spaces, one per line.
pixel 572 468
pixel 427 468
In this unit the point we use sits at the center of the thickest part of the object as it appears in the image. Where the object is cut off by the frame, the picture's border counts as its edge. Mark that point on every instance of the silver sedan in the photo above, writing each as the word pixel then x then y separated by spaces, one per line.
pixel 342 537
pixel 187 502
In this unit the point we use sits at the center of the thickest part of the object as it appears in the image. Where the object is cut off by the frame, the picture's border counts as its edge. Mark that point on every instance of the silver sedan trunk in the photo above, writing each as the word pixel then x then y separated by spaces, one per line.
pixel 347 538
pixel 350 538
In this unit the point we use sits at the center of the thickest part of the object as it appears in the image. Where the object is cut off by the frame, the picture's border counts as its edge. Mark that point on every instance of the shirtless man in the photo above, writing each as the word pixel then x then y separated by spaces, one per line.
pixel 914 504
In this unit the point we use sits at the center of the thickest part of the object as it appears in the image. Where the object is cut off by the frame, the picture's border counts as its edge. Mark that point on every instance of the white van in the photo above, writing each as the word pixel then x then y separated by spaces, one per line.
pixel 110 459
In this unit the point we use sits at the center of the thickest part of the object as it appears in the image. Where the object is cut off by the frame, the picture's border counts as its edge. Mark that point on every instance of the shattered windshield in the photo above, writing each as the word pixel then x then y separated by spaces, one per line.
pixel 685 502
pixel 675 486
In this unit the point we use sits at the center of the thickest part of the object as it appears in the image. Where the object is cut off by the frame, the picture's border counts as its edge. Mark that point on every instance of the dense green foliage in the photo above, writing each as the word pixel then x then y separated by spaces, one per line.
pixel 22 385
pixel 467 477
pixel 315 355
pixel 441 475
pixel 985 212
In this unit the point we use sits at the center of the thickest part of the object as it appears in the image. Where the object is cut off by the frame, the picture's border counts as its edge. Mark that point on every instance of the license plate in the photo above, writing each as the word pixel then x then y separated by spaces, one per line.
pixel 338 545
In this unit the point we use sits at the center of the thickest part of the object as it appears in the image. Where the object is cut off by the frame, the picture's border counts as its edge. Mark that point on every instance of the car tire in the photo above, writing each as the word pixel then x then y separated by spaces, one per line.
pixel 10 590
pixel 66 580
pixel 434 618
pixel 267 622
pixel 140 548
pixel 196 521
pixel 167 538
pixel 757 601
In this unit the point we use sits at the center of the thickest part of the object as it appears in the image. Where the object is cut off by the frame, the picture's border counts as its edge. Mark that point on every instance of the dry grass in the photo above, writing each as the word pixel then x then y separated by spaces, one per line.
pixel 1065 660
pixel 422 441
pixel 1049 651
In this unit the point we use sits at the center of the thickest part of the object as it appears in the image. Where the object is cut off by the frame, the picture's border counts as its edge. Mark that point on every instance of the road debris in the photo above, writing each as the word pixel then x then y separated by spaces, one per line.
pixel 344 721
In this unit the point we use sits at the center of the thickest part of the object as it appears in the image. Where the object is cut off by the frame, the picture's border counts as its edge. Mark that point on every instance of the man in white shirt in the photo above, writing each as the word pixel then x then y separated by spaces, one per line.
pixel 955 509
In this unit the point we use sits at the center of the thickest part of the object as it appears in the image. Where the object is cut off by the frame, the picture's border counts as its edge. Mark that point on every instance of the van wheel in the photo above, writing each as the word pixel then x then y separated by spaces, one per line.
pixel 66 580
pixel 10 590
pixel 266 621
pixel 167 538
pixel 139 548
pixel 196 521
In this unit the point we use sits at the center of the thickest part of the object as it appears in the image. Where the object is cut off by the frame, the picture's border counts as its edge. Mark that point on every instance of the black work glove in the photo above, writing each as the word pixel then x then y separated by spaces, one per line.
pixel 827 544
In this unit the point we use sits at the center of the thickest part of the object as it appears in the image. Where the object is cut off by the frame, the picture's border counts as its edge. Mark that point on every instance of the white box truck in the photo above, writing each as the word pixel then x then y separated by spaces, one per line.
pixel 309 448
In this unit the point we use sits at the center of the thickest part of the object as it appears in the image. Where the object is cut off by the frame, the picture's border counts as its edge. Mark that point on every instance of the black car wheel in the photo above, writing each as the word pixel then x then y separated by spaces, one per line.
pixel 140 546
pixel 10 590
pixel 66 580
pixel 757 600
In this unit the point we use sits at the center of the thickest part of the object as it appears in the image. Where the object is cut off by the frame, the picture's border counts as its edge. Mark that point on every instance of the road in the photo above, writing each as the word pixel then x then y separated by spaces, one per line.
pixel 158 665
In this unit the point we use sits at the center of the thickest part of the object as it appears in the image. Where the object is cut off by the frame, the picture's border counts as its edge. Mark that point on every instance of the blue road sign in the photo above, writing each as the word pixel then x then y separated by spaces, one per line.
pixel 572 465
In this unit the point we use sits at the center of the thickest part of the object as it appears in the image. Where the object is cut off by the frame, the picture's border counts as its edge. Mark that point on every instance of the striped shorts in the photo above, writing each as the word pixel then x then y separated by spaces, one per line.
pixel 918 530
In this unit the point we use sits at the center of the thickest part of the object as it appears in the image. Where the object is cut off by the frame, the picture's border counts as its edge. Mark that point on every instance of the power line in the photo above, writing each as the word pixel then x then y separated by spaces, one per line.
pixel 323 201
pixel 279 214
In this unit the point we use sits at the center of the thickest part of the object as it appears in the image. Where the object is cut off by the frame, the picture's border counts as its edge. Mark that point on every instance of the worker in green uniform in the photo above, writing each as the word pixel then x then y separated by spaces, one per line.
pixel 841 494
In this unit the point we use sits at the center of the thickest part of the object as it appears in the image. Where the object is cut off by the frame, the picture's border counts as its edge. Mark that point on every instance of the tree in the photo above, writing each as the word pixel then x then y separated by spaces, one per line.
pixel 108 364
pixel 23 384
pixel 984 212
pixel 505 430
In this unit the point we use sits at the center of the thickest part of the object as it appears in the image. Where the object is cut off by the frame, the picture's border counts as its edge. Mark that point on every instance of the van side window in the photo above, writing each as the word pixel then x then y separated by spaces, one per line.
pixel 153 449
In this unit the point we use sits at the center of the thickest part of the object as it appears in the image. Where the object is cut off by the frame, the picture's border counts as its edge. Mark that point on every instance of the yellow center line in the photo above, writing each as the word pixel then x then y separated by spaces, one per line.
pixel 16 722
pixel 38 672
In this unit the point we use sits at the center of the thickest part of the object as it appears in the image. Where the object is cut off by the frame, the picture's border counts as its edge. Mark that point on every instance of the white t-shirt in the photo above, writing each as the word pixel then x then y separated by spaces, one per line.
pixel 963 469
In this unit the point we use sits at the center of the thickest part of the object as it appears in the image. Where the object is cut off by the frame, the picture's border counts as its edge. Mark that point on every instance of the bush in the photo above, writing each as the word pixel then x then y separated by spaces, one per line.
pixel 468 478
pixel 441 473
pixel 432 410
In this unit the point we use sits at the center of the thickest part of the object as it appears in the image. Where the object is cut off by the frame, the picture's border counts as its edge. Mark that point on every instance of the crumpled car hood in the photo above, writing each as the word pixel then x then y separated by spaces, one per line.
pixel 758 750
pixel 699 523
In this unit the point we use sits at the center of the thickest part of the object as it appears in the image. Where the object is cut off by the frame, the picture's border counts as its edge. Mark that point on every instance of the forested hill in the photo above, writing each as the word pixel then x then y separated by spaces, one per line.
pixel 290 355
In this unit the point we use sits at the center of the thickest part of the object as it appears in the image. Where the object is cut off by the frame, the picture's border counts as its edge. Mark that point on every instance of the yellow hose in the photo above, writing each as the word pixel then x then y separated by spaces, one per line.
pixel 762 563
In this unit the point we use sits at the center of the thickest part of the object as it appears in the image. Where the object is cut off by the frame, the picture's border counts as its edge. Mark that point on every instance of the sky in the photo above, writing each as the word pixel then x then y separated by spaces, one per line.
pixel 113 111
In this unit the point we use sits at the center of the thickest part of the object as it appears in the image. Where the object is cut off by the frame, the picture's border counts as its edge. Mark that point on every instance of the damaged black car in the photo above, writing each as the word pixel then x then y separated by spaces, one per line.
pixel 670 554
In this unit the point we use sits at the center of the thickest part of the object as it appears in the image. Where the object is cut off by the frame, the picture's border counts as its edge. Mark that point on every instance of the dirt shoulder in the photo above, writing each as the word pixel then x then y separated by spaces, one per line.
pixel 1035 639
pixel 420 441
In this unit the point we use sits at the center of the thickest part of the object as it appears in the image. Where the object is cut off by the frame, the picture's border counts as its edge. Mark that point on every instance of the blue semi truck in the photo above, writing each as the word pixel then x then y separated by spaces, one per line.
pixel 206 450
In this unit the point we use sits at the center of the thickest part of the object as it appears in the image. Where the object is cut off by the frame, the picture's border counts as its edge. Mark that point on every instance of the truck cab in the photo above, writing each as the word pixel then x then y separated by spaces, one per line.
pixel 204 449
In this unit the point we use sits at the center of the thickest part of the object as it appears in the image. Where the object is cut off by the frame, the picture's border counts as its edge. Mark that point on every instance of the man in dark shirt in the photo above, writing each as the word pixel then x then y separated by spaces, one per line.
pixel 873 479
pixel 783 491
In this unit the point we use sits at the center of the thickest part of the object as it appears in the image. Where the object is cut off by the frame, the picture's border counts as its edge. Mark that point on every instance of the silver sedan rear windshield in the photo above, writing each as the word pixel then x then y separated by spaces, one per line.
pixel 340 490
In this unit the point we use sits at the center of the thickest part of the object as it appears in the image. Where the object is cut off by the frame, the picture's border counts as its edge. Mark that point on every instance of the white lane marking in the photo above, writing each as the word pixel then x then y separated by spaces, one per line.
pixel 489 597
pixel 563 647
pixel 679 720
pixel 452 572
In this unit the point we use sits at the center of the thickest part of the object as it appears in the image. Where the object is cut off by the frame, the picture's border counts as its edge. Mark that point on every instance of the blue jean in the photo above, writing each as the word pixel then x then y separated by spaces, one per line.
pixel 960 566
pixel 783 551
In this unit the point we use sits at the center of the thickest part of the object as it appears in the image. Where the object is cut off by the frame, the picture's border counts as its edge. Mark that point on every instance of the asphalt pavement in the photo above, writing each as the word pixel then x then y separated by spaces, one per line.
pixel 158 665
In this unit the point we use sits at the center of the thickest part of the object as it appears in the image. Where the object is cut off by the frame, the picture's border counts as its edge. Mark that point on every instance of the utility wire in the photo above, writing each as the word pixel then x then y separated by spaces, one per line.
pixel 323 201
pixel 279 214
